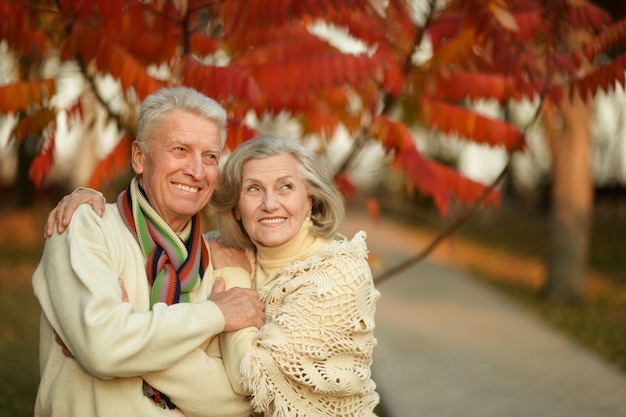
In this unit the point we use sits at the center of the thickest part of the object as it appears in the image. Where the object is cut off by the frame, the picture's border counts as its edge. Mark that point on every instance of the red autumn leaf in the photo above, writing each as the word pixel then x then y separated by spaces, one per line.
pixel 113 164
pixel 42 163
pixel 373 208
pixel 345 185
pixel 33 124
pixel 19 96
pixel 452 119
pixel 237 133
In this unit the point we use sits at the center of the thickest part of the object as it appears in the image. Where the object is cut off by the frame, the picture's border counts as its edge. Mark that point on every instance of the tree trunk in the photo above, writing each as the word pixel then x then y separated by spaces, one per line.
pixel 567 127
pixel 26 151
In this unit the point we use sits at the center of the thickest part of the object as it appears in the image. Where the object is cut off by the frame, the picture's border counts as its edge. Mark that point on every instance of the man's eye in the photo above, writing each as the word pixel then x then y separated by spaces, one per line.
pixel 211 159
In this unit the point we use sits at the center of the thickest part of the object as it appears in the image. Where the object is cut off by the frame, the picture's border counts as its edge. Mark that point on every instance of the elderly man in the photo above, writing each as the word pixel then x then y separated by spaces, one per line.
pixel 131 295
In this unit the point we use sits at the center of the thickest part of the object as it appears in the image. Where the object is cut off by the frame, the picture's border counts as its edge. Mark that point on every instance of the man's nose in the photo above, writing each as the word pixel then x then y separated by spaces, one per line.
pixel 194 167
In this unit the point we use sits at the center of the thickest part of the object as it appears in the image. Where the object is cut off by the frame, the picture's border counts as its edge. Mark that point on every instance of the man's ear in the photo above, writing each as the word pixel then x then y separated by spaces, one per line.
pixel 137 157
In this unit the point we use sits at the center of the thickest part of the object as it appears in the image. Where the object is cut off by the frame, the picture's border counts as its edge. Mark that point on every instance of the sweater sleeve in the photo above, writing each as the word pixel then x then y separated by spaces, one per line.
pixel 207 372
pixel 77 286
pixel 199 386
pixel 216 380
pixel 234 345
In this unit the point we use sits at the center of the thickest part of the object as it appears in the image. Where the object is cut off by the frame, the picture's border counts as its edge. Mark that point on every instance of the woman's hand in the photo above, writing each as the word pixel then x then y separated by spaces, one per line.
pixel 62 213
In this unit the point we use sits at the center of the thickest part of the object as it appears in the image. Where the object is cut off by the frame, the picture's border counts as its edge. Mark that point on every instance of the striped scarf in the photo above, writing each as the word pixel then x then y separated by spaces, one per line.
pixel 174 267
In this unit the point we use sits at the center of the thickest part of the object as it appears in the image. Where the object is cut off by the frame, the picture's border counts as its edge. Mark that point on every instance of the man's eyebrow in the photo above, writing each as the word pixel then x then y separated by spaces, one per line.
pixel 176 141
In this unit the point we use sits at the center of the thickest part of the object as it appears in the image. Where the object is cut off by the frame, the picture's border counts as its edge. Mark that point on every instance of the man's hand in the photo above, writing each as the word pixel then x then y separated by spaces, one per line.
pixel 241 306
pixel 124 293
pixel 62 213
pixel 223 256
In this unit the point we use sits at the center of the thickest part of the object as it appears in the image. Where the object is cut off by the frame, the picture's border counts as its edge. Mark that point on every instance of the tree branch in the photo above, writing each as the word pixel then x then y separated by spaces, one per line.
pixel 466 215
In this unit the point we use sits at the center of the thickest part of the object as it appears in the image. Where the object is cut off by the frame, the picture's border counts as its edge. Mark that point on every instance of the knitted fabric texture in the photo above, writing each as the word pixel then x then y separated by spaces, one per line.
pixel 174 267
pixel 313 356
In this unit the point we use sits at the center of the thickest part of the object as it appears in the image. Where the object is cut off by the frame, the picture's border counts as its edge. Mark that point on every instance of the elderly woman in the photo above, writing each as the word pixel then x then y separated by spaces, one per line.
pixel 313 356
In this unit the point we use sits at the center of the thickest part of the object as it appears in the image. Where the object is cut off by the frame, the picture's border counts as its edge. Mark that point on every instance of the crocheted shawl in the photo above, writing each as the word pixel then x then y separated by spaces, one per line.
pixel 313 356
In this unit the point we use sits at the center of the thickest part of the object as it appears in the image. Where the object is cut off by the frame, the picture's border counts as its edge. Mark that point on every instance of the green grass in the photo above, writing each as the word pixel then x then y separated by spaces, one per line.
pixel 600 325
pixel 19 336
pixel 21 245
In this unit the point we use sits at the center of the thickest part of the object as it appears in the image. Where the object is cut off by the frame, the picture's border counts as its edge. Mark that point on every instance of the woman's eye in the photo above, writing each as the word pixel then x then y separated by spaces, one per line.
pixel 287 187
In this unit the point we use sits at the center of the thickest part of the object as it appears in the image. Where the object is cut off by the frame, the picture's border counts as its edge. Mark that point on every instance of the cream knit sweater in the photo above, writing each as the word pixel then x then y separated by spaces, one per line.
pixel 313 355
pixel 117 343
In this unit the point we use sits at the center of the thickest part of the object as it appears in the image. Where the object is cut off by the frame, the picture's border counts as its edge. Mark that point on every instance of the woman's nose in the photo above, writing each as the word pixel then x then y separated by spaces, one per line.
pixel 269 201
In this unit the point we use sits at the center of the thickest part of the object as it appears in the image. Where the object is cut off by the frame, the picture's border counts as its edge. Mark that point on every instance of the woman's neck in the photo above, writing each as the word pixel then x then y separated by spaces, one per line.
pixel 271 259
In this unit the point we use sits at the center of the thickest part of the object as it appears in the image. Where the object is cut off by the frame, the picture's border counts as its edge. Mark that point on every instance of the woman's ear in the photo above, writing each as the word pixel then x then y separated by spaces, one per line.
pixel 236 214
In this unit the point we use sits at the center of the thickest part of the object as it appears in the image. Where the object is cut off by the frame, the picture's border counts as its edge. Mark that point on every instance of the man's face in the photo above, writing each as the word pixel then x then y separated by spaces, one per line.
pixel 179 167
pixel 274 202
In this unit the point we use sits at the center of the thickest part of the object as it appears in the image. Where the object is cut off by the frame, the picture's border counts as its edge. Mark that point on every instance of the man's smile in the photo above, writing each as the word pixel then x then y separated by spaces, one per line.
pixel 187 188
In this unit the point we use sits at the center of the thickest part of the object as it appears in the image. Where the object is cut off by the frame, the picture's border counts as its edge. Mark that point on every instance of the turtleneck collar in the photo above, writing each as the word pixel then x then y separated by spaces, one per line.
pixel 271 259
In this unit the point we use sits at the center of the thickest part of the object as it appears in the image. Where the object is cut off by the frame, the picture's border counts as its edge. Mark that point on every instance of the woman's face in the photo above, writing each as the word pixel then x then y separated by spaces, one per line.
pixel 274 201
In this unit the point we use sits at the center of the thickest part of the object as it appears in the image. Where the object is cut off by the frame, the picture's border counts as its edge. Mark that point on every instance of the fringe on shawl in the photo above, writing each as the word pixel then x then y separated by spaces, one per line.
pixel 255 381
pixel 256 375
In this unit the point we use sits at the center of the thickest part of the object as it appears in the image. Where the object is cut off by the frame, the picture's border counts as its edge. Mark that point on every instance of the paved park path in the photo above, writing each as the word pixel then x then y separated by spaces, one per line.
pixel 450 346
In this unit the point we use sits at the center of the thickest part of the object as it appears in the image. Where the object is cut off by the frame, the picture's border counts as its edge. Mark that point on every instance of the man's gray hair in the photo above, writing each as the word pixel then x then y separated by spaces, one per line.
pixel 158 104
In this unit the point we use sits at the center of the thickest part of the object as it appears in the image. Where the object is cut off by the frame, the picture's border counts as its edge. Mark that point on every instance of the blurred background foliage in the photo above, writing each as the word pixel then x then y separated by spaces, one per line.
pixel 496 123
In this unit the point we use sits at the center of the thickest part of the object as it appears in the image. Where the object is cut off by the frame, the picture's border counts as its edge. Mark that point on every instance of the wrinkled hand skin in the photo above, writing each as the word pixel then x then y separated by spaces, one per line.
pixel 241 306
pixel 61 215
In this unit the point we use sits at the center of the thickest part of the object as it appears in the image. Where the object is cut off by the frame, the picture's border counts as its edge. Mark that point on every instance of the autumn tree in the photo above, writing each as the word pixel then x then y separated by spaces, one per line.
pixel 261 57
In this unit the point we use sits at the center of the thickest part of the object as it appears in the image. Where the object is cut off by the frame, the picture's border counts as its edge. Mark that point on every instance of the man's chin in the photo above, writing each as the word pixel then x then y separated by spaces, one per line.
pixel 191 208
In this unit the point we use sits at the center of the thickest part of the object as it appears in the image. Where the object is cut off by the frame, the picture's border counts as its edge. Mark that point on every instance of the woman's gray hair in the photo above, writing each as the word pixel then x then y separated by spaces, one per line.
pixel 327 211
pixel 158 104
